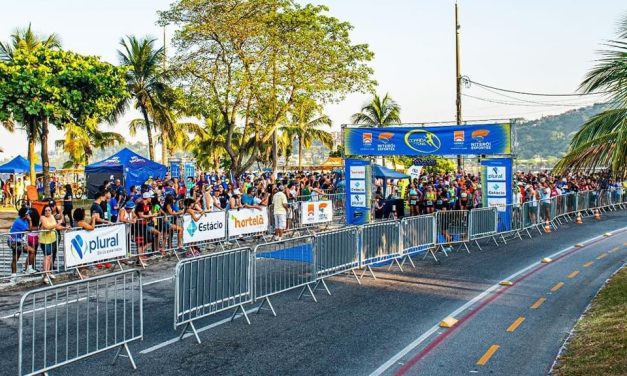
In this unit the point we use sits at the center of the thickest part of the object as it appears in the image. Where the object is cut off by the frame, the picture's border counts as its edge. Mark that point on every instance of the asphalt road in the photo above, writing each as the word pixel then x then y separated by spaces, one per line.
pixel 387 325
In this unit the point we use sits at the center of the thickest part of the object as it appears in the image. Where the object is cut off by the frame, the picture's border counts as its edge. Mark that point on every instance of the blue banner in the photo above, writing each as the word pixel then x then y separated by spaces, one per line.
pixel 496 184
pixel 358 191
pixel 445 140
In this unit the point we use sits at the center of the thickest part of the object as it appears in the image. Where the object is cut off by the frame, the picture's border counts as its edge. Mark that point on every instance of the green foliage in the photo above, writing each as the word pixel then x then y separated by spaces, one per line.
pixel 337 153
pixel 379 112
pixel 442 166
pixel 250 61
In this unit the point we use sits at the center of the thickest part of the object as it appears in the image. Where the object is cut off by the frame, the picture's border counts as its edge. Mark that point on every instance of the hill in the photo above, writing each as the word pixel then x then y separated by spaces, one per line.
pixel 548 137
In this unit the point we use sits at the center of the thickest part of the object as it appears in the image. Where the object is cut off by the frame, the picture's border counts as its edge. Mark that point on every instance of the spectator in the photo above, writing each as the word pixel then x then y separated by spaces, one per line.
pixel 48 241
pixel 280 206
pixel 68 204
pixel 96 209
pixel 16 242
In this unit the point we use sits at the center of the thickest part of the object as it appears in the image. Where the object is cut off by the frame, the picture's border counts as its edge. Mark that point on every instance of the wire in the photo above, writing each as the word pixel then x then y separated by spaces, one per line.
pixel 523 104
pixel 468 81
pixel 553 103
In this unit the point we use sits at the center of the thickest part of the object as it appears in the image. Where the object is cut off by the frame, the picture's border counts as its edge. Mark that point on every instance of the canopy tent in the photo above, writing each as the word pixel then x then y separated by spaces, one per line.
pixel 382 172
pixel 333 162
pixel 20 165
pixel 126 165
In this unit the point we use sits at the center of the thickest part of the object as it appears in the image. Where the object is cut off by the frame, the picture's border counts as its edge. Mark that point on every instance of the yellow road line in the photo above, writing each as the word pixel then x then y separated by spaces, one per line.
pixel 515 324
pixel 573 274
pixel 488 354
pixel 615 249
pixel 602 256
pixel 588 264
pixel 538 303
pixel 557 286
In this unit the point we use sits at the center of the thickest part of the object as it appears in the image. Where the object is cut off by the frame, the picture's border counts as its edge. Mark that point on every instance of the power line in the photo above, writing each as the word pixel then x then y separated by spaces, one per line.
pixel 468 81
pixel 490 100
pixel 552 103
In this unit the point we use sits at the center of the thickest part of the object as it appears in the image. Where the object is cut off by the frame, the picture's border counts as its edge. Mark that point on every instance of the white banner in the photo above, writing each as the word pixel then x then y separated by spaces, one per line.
pixel 210 226
pixel 499 202
pixel 496 173
pixel 87 247
pixel 247 221
pixel 497 188
pixel 312 212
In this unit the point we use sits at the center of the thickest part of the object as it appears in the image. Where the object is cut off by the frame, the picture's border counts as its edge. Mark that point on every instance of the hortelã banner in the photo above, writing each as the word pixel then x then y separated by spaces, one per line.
pixel 414 140
pixel 101 244
pixel 247 221
pixel 210 226
pixel 313 212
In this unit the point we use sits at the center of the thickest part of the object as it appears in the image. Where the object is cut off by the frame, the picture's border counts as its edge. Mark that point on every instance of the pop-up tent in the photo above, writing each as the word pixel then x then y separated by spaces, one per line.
pixel 126 165
pixel 381 172
pixel 19 165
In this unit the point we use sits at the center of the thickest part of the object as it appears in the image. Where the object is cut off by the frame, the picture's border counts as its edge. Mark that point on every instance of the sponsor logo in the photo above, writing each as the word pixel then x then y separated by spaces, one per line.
pixel 113 160
pixel 82 248
pixel 496 189
pixel 385 143
pixel 422 141
pixel 496 173
pixel 311 210
pixel 191 228
pixel 458 137
pixel 252 221
pixel 385 137
pixel 135 159
pixel 358 186
pixel 357 172
pixel 478 137
pixel 203 226
pixel 367 139
pixel 358 201
pixel 480 134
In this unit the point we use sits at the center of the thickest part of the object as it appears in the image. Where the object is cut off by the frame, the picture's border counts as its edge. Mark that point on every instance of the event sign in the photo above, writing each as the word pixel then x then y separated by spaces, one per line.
pixel 358 176
pixel 88 247
pixel 247 221
pixel 313 212
pixel 496 181
pixel 210 226
pixel 441 140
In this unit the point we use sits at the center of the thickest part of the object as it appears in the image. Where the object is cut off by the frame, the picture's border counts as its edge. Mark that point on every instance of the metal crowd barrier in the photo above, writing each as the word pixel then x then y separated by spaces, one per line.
pixel 483 223
pixel 62 324
pixel 337 252
pixel 284 265
pixel 418 235
pixel 452 228
pixel 212 283
pixel 380 242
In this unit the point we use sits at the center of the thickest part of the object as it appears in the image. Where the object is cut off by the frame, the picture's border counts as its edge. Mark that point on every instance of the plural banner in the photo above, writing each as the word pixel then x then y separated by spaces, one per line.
pixel 87 247
pixel 247 221
pixel 441 140
pixel 210 226
pixel 313 212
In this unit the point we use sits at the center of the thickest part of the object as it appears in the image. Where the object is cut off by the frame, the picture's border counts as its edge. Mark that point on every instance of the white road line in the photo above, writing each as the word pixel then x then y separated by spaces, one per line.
pixel 158 281
pixel 385 366
pixel 174 340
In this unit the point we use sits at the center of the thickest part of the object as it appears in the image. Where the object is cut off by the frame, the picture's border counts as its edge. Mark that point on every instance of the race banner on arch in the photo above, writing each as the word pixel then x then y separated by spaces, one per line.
pixel 417 140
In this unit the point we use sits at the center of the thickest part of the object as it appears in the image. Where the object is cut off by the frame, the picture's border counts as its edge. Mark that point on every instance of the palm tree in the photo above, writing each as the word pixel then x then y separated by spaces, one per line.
pixel 27 40
pixel 143 79
pixel 602 140
pixel 379 113
pixel 209 144
pixel 306 118
pixel 80 143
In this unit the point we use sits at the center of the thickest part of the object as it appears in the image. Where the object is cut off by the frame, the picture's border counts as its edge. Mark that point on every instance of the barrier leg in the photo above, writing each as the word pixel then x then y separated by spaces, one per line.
pixel 324 284
pixel 311 293
pixel 478 246
pixel 266 299
pixel 408 257
pixel 356 277
pixel 128 355
pixel 503 239
pixel 193 330
pixel 367 268
pixel 465 246
pixel 397 263
pixel 495 241
pixel 243 312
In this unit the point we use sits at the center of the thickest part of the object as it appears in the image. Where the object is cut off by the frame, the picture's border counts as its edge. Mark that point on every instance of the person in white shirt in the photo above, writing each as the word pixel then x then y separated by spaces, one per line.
pixel 280 205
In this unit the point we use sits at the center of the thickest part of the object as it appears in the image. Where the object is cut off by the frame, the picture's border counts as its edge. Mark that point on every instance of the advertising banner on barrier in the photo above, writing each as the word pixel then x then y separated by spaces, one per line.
pixel 211 226
pixel 358 175
pixel 313 212
pixel 87 247
pixel 247 221
pixel 441 140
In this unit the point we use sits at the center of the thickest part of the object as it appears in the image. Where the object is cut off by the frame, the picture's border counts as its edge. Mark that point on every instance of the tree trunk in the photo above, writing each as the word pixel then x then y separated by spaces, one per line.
pixel 44 156
pixel 31 160
pixel 164 147
pixel 300 154
pixel 151 150
pixel 275 152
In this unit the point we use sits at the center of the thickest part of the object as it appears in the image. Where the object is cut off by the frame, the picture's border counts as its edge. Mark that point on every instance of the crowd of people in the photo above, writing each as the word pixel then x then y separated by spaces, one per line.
pixel 153 209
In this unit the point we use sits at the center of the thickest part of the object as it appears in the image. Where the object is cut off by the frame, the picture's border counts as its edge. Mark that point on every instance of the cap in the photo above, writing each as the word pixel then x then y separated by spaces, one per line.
pixel 130 205
pixel 280 187
pixel 147 195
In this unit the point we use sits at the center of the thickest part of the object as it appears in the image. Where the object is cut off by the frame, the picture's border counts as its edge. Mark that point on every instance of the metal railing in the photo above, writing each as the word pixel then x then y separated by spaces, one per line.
pixel 483 223
pixel 452 228
pixel 212 283
pixel 380 242
pixel 418 235
pixel 61 324
pixel 337 252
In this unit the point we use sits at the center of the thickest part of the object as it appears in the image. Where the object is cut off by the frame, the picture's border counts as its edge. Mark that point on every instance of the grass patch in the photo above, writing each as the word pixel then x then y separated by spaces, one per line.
pixel 599 344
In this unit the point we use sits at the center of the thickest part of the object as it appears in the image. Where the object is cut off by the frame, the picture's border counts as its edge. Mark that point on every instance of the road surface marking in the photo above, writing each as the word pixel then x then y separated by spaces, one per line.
pixel 424 336
pixel 538 303
pixel 557 286
pixel 615 249
pixel 602 256
pixel 488 354
pixel 515 324
pixel 588 264
pixel 573 274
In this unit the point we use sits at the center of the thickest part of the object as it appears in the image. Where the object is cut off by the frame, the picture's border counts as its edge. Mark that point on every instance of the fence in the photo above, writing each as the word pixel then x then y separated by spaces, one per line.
pixel 61 324
pixel 483 223
pixel 284 265
pixel 210 284
pixel 452 228
pixel 418 235
pixel 337 252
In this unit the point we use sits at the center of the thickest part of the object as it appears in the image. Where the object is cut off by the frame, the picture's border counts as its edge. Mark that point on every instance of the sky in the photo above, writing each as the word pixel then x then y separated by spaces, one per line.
pixel 532 46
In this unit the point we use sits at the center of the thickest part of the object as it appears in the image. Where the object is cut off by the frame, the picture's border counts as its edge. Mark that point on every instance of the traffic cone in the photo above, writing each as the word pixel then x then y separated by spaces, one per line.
pixel 547 226
pixel 579 220
pixel 597 214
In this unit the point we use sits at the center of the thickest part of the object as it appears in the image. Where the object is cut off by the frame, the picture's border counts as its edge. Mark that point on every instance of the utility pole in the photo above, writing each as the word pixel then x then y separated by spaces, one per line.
pixel 458 82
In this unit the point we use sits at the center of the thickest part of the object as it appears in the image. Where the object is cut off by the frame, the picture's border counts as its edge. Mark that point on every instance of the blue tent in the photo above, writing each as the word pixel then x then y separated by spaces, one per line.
pixel 381 172
pixel 126 165
pixel 20 165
